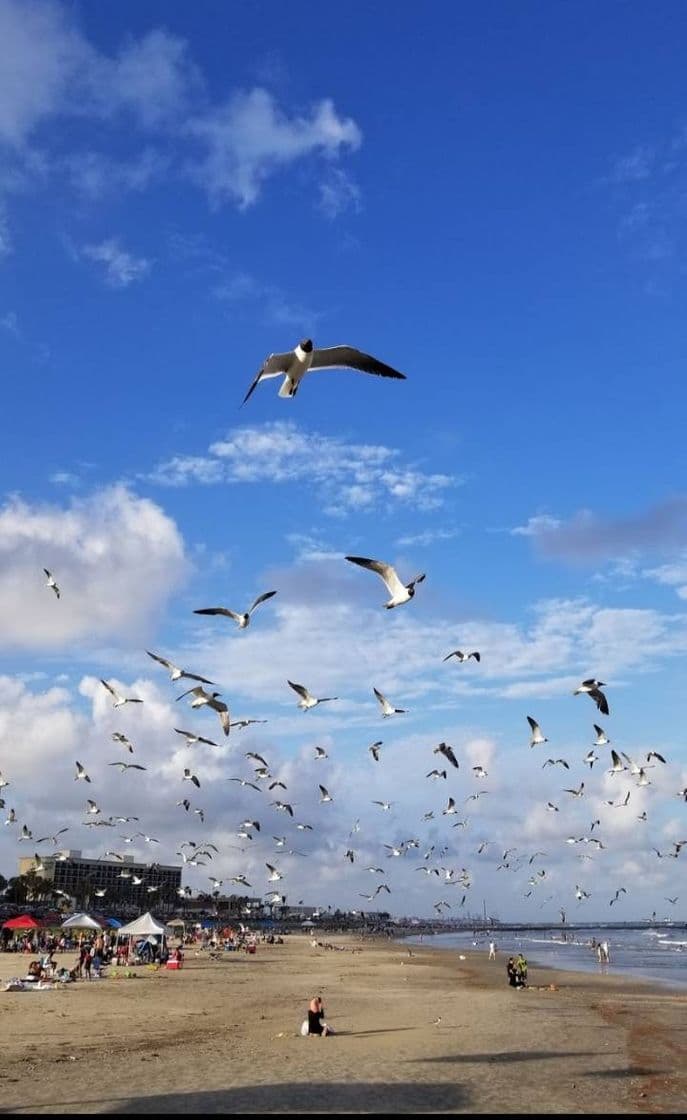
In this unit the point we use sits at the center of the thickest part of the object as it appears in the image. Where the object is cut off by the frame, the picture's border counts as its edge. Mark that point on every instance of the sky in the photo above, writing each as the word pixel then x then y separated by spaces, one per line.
pixel 491 201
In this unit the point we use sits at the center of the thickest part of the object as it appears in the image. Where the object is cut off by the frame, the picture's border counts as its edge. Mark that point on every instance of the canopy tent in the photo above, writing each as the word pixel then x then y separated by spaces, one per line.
pixel 24 921
pixel 145 926
pixel 81 921
pixel 308 924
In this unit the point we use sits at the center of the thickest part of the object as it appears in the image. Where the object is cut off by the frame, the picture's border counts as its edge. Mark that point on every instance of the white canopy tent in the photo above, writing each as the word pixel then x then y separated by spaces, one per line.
pixel 145 926
pixel 81 921
pixel 144 929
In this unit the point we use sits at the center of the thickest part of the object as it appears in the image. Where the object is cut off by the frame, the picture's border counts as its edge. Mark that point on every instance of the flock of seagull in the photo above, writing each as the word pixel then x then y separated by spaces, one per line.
pixel 435 858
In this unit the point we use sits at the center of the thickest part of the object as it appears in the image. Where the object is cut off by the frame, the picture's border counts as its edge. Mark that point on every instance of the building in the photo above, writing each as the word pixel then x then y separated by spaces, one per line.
pixel 127 884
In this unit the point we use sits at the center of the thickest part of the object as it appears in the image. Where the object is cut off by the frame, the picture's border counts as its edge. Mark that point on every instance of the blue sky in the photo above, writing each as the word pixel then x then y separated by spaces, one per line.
pixel 493 203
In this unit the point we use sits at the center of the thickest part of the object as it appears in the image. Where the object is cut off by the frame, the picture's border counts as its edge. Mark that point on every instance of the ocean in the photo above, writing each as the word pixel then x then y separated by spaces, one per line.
pixel 646 953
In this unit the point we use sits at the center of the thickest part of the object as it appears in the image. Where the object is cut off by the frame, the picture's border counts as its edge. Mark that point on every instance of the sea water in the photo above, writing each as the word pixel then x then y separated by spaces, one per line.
pixel 648 954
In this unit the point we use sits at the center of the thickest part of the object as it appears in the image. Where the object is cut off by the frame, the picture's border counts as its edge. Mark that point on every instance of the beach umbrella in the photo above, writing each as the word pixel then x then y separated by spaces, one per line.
pixel 24 921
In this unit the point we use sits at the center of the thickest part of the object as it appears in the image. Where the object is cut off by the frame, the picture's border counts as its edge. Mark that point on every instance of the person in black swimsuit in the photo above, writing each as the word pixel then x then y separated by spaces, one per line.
pixel 316 1023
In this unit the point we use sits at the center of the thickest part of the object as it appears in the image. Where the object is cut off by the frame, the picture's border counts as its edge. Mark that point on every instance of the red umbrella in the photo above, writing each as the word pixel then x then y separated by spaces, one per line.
pixel 24 921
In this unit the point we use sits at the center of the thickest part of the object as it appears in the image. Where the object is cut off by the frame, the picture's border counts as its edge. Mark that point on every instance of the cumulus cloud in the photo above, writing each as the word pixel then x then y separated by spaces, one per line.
pixel 348 476
pixel 250 137
pixel 116 557
pixel 121 267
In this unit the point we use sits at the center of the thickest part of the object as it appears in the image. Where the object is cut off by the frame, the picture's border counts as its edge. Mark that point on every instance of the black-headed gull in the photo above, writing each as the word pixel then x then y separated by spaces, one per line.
pixel 387 708
pixel 201 698
pixel 400 592
pixel 593 688
pixel 305 357
pixel 242 620
pixel 50 582
pixel 307 700
pixel 175 673
pixel 118 699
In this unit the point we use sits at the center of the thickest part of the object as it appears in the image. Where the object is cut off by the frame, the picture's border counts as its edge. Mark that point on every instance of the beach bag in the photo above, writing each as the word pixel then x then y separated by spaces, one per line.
pixel 305 1029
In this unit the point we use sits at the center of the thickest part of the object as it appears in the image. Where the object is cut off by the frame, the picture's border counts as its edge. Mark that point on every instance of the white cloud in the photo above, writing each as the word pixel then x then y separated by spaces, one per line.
pixel 121 267
pixel 251 137
pixel 267 302
pixel 116 557
pixel 348 476
pixel 429 536
pixel 671 575
pixel 93 174
pixel 47 66
pixel 339 192
pixel 5 240
pixel 535 526
pixel 9 322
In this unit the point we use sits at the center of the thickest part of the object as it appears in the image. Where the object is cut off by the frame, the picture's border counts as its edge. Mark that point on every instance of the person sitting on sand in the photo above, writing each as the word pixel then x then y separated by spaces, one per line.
pixel 316 1023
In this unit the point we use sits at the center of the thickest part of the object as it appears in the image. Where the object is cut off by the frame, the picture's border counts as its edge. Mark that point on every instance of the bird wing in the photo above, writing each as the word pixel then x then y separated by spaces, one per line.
pixel 600 700
pixel 195 677
pixel 261 599
pixel 454 653
pixel 122 764
pixel 347 357
pixel 386 572
pixel 300 689
pixel 163 660
pixel 110 689
pixel 219 610
pixel 533 724
pixel 271 367
pixel 382 699
pixel 197 690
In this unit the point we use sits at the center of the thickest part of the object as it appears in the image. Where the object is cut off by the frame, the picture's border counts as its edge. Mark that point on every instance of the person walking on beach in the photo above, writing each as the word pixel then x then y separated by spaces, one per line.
pixel 492 950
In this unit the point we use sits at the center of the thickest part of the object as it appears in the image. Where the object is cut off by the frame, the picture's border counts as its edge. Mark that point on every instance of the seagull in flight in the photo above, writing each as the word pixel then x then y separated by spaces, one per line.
pixel 81 773
pixel 387 708
pixel 436 774
pixel 127 766
pixel 593 688
pixel 325 795
pixel 119 700
pixel 305 357
pixel 555 762
pixel 245 782
pixel 175 673
pixel 590 758
pixel 192 738
pixel 242 620
pixel 189 777
pixel 320 752
pixel 119 737
pixel 307 699
pixel 50 582
pixel 202 698
pixel 537 737
pixel 460 656
pixel 601 739
pixel 375 750
pixel 579 792
pixel 385 805
pixel 400 592
pixel 447 751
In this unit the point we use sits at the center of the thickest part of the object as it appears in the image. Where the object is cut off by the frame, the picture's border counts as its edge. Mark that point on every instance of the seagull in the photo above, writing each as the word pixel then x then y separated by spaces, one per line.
pixel 242 620
pixel 92 807
pixel 256 757
pixel 11 817
pixel 282 806
pixel 555 762
pixel 50 582
pixel 593 687
pixel 274 875
pixel 119 737
pixel 26 833
pixel 590 758
pixel 384 805
pixel 620 890
pixel 601 739
pixel 349 854
pixel 450 807
pixel 447 752
pixel 201 698
pixel 618 766
pixel 119 700
pixel 175 673
pixel 480 772
pixel 241 723
pixel 127 766
pixel 3 781
pixel 192 738
pixel 189 777
pixel 460 656
pixel 81 774
pixel 579 792
pixel 382 887
pixel 436 774
pixel 387 708
pixel 325 795
pixel 307 699
pixel 400 592
pixel 580 894
pixel 186 803
pixel 245 782
pixel 304 828
pixel 305 357
pixel 656 755
pixel 148 839
pixel 672 900
pixel 320 752
pixel 375 750
pixel 537 736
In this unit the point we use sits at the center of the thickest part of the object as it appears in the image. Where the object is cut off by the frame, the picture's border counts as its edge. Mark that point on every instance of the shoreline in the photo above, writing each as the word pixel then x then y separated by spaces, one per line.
pixel 418 1030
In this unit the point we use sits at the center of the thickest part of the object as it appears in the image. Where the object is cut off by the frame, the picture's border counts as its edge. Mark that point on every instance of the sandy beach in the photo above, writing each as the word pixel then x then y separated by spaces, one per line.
pixel 223 1036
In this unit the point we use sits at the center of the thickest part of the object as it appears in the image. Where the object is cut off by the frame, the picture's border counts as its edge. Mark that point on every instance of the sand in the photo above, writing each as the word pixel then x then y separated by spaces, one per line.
pixel 222 1036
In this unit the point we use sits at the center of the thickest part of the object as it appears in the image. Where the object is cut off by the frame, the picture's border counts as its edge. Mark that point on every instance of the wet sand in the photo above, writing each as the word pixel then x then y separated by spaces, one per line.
pixel 223 1036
